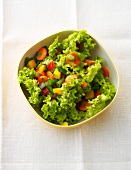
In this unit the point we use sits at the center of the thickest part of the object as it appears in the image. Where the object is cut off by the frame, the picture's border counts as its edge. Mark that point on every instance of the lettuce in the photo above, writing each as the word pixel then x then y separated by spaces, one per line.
pixel 107 94
pixel 53 48
pixel 26 77
pixel 97 105
pixel 92 70
pixel 70 43
pixel 25 74
pixel 63 108
pixel 106 87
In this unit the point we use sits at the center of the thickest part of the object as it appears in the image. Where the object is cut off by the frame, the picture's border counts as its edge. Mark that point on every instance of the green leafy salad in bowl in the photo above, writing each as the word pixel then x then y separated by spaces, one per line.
pixel 64 82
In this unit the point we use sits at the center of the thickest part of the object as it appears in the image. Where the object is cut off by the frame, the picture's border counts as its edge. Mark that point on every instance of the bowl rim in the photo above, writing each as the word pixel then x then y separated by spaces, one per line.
pixel 84 121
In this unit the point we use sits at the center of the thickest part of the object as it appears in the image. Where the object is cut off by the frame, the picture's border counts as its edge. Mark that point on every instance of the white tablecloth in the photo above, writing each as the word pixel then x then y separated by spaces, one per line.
pixel 29 144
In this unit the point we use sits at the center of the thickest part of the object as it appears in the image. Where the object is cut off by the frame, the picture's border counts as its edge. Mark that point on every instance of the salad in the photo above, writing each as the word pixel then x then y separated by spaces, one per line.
pixel 65 83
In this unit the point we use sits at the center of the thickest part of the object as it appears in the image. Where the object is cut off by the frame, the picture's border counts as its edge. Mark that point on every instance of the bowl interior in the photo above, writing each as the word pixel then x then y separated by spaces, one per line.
pixel 98 51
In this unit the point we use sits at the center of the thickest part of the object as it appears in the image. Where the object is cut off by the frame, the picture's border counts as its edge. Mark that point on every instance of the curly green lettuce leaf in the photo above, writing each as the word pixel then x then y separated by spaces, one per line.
pixel 97 105
pixel 108 92
pixel 34 91
pixel 63 108
pixel 74 115
pixel 70 43
pixel 106 87
pixel 26 77
pixel 25 73
pixel 52 111
pixel 87 76
pixel 53 48
pixel 92 70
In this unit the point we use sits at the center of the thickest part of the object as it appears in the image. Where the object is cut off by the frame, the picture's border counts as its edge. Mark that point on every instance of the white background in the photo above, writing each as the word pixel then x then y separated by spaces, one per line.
pixel 29 144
